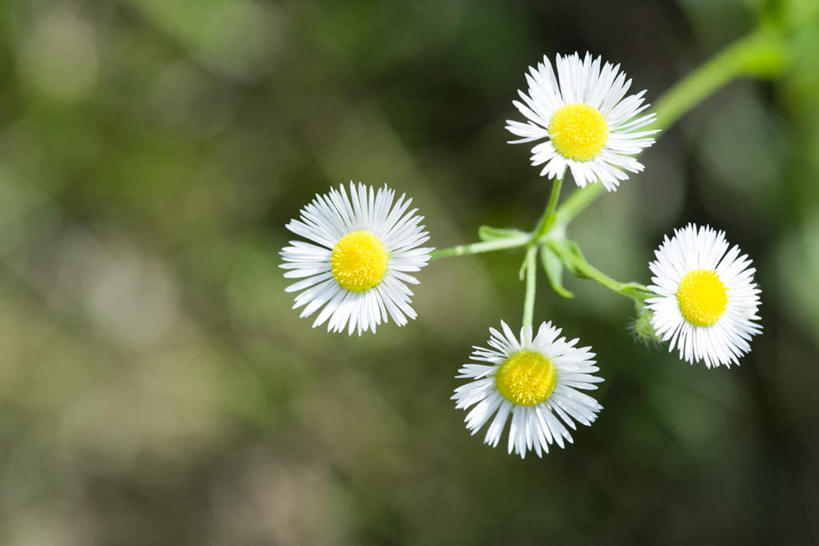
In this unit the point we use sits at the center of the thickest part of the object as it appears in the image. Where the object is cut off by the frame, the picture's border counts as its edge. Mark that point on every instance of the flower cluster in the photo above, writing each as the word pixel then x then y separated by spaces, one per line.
pixel 361 248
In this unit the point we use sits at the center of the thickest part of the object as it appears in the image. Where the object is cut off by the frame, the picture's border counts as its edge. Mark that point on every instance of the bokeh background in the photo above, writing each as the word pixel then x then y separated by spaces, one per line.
pixel 156 387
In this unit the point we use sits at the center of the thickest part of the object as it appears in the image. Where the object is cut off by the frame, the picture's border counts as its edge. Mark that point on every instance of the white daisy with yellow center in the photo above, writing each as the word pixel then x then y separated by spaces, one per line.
pixel 588 123
pixel 537 380
pixel 707 301
pixel 357 265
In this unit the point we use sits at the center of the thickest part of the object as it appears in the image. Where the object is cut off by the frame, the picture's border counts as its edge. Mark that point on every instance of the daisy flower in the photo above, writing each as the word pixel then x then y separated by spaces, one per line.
pixel 706 298
pixel 587 124
pixel 357 263
pixel 536 380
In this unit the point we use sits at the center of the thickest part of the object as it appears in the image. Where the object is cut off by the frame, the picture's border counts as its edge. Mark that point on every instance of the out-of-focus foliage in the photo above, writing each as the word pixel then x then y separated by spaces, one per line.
pixel 156 388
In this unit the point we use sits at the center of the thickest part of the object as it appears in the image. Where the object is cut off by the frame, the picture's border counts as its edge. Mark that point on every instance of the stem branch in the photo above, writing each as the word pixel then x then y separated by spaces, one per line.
pixel 478 248
pixel 578 265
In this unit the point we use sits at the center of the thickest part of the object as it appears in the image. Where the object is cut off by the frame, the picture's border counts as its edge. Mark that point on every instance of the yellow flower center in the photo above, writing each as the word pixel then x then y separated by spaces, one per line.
pixel 359 261
pixel 702 297
pixel 526 378
pixel 578 131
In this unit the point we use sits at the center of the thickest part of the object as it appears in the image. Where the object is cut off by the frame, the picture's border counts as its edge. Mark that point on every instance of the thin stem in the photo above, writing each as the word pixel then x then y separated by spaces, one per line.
pixel 739 58
pixel 548 218
pixel 580 267
pixel 531 274
pixel 742 57
pixel 544 224
pixel 478 248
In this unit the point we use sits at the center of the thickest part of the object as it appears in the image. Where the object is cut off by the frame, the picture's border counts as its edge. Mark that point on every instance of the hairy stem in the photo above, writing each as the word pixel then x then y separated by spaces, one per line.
pixel 548 218
pixel 478 248
pixel 531 274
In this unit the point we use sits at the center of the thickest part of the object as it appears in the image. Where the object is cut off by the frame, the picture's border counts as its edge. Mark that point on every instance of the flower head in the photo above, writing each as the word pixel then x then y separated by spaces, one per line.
pixel 535 379
pixel 588 125
pixel 356 266
pixel 707 300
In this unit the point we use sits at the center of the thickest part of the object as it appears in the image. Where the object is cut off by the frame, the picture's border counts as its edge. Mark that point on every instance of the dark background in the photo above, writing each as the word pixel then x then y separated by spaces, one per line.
pixel 156 387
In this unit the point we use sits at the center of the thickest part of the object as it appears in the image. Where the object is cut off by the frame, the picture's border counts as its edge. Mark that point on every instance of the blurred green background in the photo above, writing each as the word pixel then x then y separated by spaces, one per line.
pixel 156 387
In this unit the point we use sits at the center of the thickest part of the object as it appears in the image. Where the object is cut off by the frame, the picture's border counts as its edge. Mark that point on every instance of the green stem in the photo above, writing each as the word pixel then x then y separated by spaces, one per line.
pixel 578 265
pixel 749 55
pixel 478 248
pixel 544 224
pixel 577 202
pixel 531 274
pixel 548 218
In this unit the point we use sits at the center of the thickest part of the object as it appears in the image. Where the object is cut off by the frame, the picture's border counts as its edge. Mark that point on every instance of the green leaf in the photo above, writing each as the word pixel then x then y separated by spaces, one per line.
pixel 489 233
pixel 571 248
pixel 636 291
pixel 554 271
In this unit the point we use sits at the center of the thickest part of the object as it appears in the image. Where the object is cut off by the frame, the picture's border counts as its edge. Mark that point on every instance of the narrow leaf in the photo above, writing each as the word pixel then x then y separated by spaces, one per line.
pixel 489 233
pixel 554 271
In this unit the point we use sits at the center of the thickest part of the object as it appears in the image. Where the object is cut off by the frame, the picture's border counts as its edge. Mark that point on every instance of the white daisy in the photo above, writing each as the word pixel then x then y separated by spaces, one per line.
pixel 707 300
pixel 590 127
pixel 534 380
pixel 356 267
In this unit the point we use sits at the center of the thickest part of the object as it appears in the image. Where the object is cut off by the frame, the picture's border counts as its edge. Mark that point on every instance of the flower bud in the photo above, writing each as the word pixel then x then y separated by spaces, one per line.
pixel 641 327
